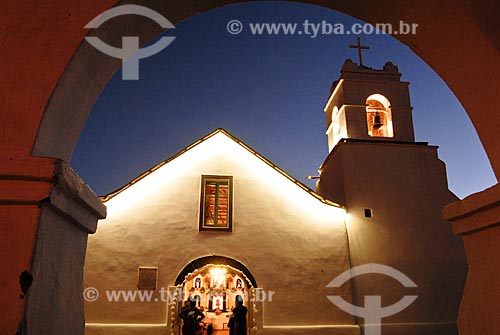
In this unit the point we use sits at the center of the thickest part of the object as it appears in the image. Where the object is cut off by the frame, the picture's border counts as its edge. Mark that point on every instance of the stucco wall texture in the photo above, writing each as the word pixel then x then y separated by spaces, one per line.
pixel 405 187
pixel 291 242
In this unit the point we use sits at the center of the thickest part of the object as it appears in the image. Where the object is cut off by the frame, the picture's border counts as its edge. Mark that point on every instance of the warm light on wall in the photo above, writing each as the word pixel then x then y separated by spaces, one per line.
pixel 220 154
pixel 337 129
pixel 334 93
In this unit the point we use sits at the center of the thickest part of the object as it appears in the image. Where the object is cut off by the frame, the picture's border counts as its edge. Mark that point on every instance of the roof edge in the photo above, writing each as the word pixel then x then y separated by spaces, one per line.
pixel 301 185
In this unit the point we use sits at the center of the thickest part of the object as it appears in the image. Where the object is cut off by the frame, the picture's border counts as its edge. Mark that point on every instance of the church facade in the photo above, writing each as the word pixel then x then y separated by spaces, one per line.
pixel 218 221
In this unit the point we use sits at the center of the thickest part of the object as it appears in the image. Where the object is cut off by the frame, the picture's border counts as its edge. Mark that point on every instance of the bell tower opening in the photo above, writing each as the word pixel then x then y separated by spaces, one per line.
pixel 378 116
pixel 367 104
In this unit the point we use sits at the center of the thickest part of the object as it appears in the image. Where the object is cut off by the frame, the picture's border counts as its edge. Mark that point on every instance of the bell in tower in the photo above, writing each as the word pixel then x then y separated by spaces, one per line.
pixel 369 104
pixel 378 116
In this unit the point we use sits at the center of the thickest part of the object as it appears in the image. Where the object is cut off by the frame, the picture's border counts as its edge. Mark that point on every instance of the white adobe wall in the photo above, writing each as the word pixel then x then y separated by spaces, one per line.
pixel 406 188
pixel 292 243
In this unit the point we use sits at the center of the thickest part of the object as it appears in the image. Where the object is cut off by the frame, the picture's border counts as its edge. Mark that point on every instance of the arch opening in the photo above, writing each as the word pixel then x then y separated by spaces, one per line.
pixel 58 134
pixel 379 116
pixel 215 284
pixel 215 260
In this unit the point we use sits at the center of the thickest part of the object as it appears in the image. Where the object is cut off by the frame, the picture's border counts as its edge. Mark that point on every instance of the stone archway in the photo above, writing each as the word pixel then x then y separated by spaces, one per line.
pixel 42 114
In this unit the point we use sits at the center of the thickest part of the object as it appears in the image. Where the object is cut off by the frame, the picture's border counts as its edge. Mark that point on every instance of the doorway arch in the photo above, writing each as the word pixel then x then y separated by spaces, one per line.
pixel 214 260
pixel 217 298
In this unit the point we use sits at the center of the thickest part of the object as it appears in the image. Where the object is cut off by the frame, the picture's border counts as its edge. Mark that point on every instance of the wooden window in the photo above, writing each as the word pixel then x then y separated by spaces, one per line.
pixel 216 203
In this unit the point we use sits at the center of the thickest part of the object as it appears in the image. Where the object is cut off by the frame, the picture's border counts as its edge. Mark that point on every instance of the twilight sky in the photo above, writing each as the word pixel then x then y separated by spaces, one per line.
pixel 267 90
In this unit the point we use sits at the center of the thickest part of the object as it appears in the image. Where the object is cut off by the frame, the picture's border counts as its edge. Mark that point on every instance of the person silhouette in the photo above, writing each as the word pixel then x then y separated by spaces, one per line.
pixel 240 317
pixel 191 317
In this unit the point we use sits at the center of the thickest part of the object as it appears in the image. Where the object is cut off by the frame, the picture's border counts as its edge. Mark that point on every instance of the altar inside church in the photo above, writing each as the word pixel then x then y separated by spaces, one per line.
pixel 215 289
pixel 218 322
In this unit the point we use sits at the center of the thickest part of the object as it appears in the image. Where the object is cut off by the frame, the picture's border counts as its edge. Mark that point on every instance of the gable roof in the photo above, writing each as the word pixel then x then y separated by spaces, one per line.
pixel 109 196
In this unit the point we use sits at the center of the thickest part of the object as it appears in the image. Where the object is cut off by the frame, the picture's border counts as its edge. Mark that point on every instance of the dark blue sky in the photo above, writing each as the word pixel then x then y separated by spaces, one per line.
pixel 268 90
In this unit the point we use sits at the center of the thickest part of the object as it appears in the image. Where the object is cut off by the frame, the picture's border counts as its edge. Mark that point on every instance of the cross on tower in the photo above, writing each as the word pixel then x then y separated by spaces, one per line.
pixel 359 47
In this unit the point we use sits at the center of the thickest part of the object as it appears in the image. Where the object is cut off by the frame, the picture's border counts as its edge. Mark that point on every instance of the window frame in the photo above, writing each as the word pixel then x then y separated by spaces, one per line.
pixel 145 280
pixel 229 226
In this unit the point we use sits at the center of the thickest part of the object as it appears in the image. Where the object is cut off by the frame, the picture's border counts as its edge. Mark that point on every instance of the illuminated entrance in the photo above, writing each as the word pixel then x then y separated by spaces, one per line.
pixel 215 286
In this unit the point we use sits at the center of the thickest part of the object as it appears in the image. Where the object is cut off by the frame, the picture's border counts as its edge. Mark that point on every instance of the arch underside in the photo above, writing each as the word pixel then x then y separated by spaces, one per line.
pixel 90 70
pixel 214 260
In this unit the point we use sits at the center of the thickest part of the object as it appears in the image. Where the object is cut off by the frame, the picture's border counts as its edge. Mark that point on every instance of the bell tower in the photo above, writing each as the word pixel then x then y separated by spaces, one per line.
pixel 393 189
pixel 369 104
